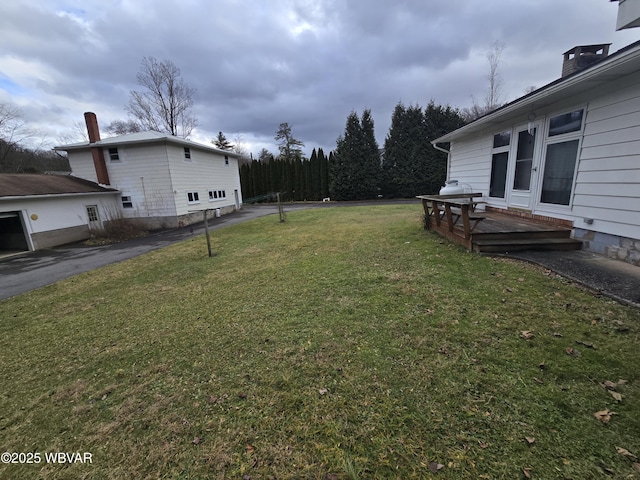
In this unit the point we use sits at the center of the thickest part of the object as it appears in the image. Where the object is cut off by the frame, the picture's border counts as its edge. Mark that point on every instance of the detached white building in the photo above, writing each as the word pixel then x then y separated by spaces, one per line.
pixel 164 181
pixel 42 211
pixel 569 150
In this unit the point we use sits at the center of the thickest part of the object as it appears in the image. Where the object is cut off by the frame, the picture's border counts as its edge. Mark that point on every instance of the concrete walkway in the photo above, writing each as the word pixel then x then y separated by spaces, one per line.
pixel 30 270
pixel 613 278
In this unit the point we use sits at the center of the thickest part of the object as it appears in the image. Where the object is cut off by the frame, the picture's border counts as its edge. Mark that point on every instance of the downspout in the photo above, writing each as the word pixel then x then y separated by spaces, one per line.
pixel 435 145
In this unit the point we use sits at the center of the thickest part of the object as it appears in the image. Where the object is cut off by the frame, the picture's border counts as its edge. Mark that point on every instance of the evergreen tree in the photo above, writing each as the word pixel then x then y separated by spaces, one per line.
pixel 354 171
pixel 438 120
pixel 221 142
pixel 324 174
pixel 290 147
pixel 411 165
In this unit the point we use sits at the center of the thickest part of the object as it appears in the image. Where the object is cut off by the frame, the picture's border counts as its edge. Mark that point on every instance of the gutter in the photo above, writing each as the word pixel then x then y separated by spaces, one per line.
pixel 57 195
pixel 435 145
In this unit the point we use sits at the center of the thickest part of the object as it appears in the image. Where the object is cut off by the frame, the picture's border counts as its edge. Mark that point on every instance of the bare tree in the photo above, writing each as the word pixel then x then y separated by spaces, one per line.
pixel 123 127
pixel 76 134
pixel 13 130
pixel 493 96
pixel 239 145
pixel 165 104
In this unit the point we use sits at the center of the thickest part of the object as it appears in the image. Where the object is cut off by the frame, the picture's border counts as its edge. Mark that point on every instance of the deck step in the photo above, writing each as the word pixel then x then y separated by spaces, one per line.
pixel 523 235
pixel 513 245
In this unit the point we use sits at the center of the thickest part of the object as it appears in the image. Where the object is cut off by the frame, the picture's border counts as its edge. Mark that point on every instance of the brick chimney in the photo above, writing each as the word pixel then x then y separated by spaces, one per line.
pixel 96 152
pixel 582 57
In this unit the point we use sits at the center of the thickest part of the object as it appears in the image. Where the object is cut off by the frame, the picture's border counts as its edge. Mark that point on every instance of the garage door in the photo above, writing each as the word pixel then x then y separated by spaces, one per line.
pixel 12 234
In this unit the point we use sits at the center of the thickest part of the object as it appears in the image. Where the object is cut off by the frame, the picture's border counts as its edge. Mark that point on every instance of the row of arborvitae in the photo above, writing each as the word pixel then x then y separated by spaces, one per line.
pixel 358 169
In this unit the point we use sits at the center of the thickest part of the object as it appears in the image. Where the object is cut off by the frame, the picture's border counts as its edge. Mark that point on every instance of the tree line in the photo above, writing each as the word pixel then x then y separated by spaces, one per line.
pixel 358 169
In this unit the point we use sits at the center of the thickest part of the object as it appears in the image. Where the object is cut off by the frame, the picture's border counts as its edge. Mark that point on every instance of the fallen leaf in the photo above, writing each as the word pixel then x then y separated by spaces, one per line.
pixel 323 391
pixel 626 453
pixel 622 382
pixel 530 440
pixel 331 476
pixel 603 415
pixel 521 279
pixel 242 396
pixel 594 322
pixel 609 385
pixel 213 399
pixel 537 380
pixel 434 467
pixel 197 440
pixel 526 334
pixel 250 448
pixel 557 334
pixel 588 345
pixel 541 366
pixel 443 350
pixel 637 466
pixel 558 294
pixel 483 444
pixel 526 473
pixel 572 351
pixel 616 395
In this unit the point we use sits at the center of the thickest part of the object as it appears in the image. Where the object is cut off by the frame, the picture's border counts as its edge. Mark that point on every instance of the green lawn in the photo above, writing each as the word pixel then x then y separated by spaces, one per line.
pixel 344 343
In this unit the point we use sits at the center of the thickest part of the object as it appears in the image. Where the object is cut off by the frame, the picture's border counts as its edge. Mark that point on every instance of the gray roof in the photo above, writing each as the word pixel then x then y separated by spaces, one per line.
pixel 142 138
pixel 31 184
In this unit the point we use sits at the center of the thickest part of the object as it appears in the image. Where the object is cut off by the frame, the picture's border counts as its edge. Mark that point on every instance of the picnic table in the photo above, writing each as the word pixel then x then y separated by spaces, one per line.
pixel 453 215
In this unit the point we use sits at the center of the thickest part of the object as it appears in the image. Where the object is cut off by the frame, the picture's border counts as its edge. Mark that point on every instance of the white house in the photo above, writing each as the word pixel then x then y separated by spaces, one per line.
pixel 41 211
pixel 165 181
pixel 569 150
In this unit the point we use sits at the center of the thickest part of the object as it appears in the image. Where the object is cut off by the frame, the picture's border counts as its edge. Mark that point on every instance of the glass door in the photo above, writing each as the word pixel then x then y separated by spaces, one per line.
pixel 525 166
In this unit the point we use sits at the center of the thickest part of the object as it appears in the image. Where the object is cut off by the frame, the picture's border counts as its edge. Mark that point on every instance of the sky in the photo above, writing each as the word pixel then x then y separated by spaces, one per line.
pixel 258 63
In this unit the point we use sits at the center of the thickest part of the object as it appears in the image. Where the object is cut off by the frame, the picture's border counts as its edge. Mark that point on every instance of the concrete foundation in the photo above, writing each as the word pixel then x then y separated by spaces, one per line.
pixel 611 246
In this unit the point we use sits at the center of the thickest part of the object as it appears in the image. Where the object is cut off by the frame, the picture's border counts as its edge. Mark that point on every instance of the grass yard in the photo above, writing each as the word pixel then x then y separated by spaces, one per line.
pixel 346 343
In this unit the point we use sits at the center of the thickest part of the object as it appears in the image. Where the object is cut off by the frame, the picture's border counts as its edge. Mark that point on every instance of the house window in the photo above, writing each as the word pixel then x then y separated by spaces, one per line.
pixel 113 155
pixel 223 194
pixel 213 195
pixel 193 197
pixel 559 167
pixel 226 160
pixel 499 163
pixel 187 153
pixel 566 123
pixel 92 213
pixel 126 202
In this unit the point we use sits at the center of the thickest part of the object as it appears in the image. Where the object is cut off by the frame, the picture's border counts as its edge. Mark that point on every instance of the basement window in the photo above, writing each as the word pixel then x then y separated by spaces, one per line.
pixel 92 213
pixel 187 153
pixel 113 155
pixel 193 197
pixel 126 202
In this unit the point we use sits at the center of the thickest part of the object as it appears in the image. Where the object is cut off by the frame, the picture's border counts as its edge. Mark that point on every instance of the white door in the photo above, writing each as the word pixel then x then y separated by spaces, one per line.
pixel 524 169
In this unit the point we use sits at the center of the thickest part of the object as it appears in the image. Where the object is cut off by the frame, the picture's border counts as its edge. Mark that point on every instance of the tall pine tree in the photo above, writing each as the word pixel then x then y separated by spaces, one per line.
pixel 354 169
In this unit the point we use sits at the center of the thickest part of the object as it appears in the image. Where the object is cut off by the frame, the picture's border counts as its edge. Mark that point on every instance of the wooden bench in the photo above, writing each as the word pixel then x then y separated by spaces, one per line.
pixel 443 212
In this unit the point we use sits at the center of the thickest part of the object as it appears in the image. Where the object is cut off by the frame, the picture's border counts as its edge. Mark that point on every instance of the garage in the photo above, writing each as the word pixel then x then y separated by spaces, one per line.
pixel 13 238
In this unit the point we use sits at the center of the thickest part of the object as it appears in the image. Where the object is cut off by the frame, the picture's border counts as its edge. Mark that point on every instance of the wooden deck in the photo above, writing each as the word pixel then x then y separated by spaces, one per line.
pixel 494 231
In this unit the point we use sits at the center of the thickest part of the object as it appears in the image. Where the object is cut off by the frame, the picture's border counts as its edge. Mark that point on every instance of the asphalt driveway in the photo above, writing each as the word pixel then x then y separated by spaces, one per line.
pixel 31 270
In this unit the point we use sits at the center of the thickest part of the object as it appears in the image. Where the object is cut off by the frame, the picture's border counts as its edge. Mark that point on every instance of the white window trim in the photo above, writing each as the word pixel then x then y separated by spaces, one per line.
pixel 565 137
pixel 195 195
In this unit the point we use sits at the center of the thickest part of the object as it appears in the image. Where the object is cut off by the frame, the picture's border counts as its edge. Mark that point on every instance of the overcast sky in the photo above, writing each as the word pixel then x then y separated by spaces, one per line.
pixel 257 63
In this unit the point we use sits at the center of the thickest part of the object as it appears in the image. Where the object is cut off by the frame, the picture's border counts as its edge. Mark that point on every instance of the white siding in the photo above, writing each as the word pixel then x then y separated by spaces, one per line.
pixel 472 163
pixel 81 163
pixel 142 173
pixel 205 171
pixel 608 178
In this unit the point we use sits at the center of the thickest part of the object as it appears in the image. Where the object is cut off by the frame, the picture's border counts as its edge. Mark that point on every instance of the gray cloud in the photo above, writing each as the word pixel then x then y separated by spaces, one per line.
pixel 307 62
